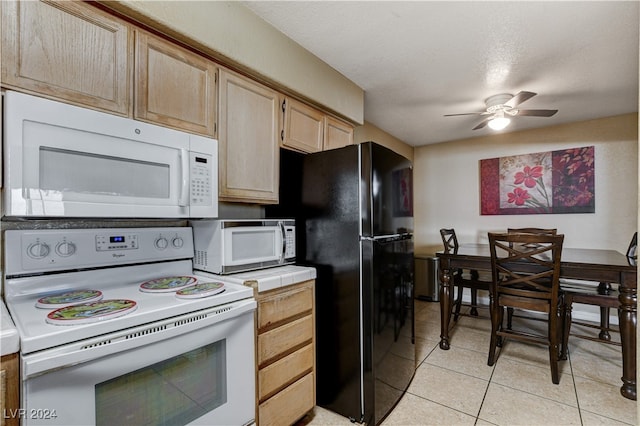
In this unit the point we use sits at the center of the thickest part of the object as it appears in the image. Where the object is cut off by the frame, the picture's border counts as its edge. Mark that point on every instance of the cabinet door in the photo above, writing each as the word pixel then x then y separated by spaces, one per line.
pixel 303 127
pixel 248 140
pixel 9 390
pixel 337 133
pixel 173 86
pixel 67 50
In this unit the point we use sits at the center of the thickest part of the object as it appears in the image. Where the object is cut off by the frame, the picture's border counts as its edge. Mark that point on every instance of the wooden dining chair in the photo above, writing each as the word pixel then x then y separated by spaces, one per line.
pixel 603 295
pixel 526 275
pixel 535 231
pixel 462 279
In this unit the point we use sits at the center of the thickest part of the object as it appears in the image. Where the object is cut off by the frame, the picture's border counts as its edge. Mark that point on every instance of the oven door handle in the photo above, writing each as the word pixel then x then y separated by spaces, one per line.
pixel 183 201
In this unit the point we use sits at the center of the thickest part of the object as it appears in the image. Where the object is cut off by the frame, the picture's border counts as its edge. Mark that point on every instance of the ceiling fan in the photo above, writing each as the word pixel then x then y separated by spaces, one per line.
pixel 503 106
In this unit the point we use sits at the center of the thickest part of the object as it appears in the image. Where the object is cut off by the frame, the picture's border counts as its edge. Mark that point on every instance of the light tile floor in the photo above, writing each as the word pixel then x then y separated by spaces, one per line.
pixel 457 387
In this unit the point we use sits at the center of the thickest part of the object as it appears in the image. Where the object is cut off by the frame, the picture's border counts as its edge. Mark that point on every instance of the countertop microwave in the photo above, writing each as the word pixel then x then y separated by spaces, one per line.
pixel 62 160
pixel 228 246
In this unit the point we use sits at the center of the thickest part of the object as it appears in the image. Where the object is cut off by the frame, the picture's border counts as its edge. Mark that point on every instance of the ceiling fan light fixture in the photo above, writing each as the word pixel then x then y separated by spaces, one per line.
pixel 499 121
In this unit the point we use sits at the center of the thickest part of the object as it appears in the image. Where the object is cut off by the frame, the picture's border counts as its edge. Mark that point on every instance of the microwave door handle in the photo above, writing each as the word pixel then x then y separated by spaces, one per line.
pixel 184 182
pixel 284 241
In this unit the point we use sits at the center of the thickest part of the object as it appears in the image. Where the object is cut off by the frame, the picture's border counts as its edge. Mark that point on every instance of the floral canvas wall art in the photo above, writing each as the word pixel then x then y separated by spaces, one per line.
pixel 541 183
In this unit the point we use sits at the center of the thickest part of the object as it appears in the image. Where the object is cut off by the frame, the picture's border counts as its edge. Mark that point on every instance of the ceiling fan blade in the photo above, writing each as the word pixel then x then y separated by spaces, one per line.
pixel 519 98
pixel 466 113
pixel 482 124
pixel 537 112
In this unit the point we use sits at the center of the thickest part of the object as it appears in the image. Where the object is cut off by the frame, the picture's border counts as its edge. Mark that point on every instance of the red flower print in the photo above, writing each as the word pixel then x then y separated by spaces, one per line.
pixel 528 175
pixel 518 196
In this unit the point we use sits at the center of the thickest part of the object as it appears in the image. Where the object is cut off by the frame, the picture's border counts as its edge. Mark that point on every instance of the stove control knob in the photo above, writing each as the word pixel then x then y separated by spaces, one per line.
pixel 38 250
pixel 66 249
pixel 161 243
pixel 177 242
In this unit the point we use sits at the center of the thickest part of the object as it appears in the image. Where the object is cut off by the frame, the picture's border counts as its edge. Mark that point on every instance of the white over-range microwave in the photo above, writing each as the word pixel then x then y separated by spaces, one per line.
pixel 230 246
pixel 65 161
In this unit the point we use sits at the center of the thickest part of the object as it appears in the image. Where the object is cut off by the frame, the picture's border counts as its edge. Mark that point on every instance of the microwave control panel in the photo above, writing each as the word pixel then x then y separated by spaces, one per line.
pixel 290 241
pixel 201 169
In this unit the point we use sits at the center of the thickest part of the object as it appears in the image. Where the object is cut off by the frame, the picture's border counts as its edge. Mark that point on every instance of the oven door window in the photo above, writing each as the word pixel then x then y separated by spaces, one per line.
pixel 175 391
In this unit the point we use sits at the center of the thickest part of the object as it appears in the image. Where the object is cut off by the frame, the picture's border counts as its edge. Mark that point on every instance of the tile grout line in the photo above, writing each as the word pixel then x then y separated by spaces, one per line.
pixel 575 387
pixel 485 393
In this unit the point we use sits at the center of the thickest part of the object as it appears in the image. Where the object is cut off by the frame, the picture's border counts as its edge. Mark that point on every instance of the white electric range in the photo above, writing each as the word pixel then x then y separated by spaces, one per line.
pixel 99 309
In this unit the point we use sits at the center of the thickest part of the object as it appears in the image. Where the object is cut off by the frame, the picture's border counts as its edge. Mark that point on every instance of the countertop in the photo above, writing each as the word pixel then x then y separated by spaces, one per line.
pixel 272 278
pixel 9 339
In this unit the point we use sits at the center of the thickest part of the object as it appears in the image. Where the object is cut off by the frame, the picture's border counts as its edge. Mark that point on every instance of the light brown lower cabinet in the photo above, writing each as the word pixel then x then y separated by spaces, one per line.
pixel 285 354
pixel 9 390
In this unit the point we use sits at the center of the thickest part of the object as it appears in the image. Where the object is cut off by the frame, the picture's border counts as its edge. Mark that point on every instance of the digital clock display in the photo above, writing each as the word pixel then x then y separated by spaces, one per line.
pixel 117 239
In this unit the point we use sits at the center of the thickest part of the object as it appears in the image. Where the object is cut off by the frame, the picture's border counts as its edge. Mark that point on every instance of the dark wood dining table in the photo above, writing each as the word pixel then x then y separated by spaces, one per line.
pixel 607 266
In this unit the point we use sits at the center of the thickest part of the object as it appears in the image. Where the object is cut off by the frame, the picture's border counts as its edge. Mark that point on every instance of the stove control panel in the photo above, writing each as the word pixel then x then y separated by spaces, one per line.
pixel 43 250
pixel 116 242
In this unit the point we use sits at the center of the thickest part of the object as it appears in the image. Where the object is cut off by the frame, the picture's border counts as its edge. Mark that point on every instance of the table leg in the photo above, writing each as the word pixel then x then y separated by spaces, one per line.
pixel 445 307
pixel 627 317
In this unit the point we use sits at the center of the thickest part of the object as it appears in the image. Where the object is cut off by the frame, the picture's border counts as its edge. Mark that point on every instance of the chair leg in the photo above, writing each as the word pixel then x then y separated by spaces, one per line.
pixel 495 316
pixel 604 324
pixel 474 302
pixel 553 346
pixel 509 318
pixel 500 321
pixel 566 329
pixel 458 303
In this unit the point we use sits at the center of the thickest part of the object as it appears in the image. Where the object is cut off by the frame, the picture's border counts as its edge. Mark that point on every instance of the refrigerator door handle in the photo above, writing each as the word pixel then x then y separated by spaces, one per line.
pixel 388 237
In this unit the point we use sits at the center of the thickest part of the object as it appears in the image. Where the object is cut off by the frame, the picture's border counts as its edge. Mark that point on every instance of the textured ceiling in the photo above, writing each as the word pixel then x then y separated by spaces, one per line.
pixel 419 60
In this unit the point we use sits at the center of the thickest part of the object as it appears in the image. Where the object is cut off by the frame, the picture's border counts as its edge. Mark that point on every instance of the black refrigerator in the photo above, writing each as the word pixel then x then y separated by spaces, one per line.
pixel 354 220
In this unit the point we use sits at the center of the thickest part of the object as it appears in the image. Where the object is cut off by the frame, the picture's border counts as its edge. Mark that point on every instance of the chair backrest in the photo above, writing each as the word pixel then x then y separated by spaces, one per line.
pixel 632 251
pixel 542 231
pixel 526 265
pixel 449 240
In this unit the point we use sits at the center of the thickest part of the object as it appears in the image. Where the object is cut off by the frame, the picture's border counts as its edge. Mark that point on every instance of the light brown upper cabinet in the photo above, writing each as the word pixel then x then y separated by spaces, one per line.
pixel 173 86
pixel 68 50
pixel 337 133
pixel 307 129
pixel 248 140
pixel 303 127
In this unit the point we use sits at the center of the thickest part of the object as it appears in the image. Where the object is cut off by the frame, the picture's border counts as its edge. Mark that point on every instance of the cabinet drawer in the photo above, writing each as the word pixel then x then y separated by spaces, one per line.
pixel 289 405
pixel 278 341
pixel 279 307
pixel 281 373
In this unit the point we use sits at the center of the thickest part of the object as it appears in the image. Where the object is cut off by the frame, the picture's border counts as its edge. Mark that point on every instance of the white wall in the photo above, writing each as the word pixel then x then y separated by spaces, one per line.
pixel 446 184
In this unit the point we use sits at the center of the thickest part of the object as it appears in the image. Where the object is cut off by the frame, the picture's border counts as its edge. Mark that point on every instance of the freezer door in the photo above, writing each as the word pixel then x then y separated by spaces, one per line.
pixel 387 191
